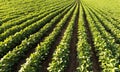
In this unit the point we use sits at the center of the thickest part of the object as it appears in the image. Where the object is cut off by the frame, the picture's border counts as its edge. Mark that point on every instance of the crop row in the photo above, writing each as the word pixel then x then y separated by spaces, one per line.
pixel 83 48
pixel 17 28
pixel 23 19
pixel 24 8
pixel 110 27
pixel 61 55
pixel 10 42
pixel 104 44
pixel 33 63
pixel 14 56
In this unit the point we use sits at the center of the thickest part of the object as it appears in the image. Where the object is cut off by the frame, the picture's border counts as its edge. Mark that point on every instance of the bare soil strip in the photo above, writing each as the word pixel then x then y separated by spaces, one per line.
pixel 117 40
pixel 23 60
pixel 94 58
pixel 73 64
pixel 48 59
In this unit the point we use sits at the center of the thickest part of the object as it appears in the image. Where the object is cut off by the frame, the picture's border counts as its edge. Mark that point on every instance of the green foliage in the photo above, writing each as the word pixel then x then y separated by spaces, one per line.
pixel 34 61
pixel 83 48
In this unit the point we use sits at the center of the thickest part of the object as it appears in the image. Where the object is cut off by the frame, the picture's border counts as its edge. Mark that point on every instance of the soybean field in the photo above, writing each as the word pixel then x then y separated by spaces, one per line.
pixel 59 36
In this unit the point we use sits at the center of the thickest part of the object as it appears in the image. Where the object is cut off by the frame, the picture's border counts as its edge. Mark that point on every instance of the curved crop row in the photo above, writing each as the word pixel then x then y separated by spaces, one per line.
pixel 33 63
pixel 106 57
pixel 83 48
pixel 108 6
pixel 61 54
pixel 10 42
pixel 21 20
pixel 24 8
pixel 47 8
pixel 109 26
pixel 112 46
pixel 109 18
pixel 14 56
pixel 17 28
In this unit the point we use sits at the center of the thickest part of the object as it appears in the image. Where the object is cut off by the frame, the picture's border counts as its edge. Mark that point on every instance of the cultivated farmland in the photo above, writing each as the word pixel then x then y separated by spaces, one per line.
pixel 59 36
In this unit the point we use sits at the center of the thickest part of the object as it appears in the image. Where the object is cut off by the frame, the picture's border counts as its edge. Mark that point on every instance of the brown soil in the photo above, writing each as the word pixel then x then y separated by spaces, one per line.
pixel 73 64
pixel 23 60
pixel 48 59
pixel 117 40
pixel 103 35
pixel 94 58
pixel 104 15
